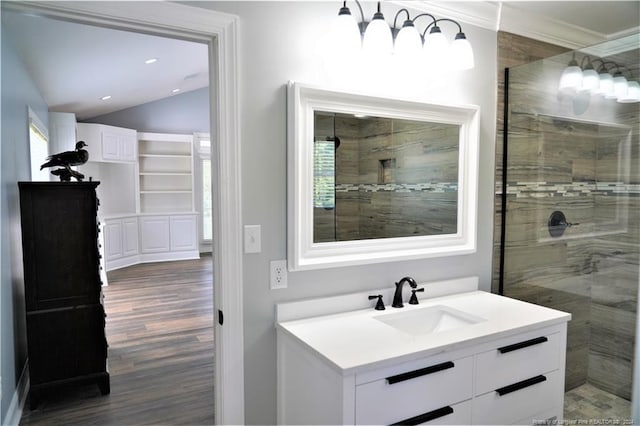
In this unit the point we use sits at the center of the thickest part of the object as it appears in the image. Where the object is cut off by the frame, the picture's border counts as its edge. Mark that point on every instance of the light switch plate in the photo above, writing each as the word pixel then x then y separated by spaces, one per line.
pixel 252 239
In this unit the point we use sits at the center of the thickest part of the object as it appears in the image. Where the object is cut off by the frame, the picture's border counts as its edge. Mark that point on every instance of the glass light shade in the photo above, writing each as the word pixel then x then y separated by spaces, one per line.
pixel 408 42
pixel 571 79
pixel 590 80
pixel 606 84
pixel 345 39
pixel 633 93
pixel 436 48
pixel 377 41
pixel 461 53
pixel 619 87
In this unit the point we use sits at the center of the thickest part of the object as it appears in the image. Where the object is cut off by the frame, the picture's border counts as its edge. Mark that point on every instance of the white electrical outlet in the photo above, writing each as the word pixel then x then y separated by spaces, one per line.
pixel 278 274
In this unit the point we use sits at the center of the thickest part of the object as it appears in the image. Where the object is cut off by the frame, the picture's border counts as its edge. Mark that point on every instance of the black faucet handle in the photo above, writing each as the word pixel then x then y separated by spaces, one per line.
pixel 379 303
pixel 414 298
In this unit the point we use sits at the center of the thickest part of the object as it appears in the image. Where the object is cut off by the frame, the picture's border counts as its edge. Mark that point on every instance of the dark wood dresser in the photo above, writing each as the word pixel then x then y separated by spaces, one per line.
pixel 63 295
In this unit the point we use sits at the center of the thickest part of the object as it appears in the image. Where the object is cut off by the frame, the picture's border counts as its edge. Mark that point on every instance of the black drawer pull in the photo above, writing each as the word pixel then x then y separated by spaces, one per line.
pixel 422 372
pixel 521 345
pixel 521 385
pixel 423 418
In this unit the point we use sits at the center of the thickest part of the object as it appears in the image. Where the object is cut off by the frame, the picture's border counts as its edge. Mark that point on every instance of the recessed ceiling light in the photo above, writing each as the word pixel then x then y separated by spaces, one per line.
pixel 175 90
pixel 104 98
pixel 151 60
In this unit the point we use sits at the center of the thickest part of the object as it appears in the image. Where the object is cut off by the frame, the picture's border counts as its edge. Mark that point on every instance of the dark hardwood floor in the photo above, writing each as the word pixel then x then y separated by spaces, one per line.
pixel 161 357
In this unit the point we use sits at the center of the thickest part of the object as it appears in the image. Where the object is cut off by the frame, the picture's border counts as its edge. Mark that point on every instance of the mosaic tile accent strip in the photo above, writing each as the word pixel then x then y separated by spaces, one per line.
pixel 399 187
pixel 574 189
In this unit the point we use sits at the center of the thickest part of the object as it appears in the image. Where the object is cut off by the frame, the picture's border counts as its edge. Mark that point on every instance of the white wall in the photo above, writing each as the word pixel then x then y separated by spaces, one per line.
pixel 18 93
pixel 276 45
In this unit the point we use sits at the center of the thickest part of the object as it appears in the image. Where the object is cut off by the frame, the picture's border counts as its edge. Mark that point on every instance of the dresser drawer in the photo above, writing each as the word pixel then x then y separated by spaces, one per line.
pixel 414 393
pixel 515 359
pixel 517 404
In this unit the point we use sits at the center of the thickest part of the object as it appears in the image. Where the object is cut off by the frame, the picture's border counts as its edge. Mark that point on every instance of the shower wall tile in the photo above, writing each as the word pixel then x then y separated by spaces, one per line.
pixel 572 297
pixel 589 171
pixel 612 349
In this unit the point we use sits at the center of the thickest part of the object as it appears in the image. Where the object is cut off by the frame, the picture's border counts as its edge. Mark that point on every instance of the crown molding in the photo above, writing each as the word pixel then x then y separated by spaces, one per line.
pixel 482 14
pixel 506 16
pixel 546 29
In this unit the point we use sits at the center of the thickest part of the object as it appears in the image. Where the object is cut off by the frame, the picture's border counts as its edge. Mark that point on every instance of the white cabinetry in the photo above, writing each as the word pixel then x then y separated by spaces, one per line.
pixel 512 380
pixel 154 234
pixel 121 242
pixel 109 143
pixel 168 237
pixel 183 233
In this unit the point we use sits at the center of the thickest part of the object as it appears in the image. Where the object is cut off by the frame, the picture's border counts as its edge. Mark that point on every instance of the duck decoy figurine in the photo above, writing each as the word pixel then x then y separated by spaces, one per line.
pixel 66 160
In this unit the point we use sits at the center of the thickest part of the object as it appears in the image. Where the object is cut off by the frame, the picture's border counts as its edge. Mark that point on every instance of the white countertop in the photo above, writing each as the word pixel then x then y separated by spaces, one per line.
pixel 355 341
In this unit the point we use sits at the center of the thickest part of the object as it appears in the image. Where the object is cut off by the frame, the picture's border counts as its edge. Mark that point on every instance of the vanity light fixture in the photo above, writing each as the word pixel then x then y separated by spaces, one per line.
pixel 105 98
pixel 571 79
pixel 175 90
pixel 585 78
pixel 605 85
pixel 633 93
pixel 619 86
pixel 590 78
pixel 378 41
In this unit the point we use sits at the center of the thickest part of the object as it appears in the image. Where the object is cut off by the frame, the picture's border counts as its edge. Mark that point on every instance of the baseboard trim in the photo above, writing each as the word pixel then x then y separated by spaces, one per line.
pixel 14 413
pixel 152 257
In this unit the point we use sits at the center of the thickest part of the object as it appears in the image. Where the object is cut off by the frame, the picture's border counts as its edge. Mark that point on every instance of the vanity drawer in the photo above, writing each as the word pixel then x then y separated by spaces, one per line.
pixel 526 402
pixel 455 414
pixel 515 359
pixel 414 393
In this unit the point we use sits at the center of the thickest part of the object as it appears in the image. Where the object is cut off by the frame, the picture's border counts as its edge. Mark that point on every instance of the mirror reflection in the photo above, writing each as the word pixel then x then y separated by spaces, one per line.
pixel 379 177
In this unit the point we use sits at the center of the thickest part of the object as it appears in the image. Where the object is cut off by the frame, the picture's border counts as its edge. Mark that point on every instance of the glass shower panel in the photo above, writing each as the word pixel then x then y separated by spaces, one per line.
pixel 572 217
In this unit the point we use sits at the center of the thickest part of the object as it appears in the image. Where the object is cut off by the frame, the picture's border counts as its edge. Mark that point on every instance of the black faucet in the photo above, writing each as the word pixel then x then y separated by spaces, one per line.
pixel 397 296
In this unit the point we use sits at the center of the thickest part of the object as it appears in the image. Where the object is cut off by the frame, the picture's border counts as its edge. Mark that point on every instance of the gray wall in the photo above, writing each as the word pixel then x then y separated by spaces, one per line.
pixel 268 59
pixel 183 113
pixel 18 92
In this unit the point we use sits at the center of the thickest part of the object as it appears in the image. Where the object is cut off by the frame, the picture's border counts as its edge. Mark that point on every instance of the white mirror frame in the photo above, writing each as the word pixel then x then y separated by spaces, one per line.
pixel 303 254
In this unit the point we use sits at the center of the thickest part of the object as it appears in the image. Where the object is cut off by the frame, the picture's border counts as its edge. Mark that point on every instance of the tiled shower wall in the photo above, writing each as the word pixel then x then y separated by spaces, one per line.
pixel 590 172
pixel 394 178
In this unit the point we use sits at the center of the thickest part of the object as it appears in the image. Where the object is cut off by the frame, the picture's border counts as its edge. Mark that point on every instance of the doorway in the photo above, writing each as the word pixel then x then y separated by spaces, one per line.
pixel 218 31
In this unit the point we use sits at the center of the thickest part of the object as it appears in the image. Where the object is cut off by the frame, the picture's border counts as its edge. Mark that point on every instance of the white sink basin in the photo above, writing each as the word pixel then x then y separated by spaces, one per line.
pixel 432 319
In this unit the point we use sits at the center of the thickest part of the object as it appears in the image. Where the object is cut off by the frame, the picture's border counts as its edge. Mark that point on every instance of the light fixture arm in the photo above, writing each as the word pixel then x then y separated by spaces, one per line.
pixel 435 24
pixel 395 19
pixel 602 66
pixel 362 23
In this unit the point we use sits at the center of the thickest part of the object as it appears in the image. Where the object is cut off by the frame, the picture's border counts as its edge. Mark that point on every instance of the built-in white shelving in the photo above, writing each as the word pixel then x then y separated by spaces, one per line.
pixel 165 163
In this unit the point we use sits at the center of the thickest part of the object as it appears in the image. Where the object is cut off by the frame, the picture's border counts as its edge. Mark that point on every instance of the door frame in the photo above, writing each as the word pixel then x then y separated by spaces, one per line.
pixel 219 31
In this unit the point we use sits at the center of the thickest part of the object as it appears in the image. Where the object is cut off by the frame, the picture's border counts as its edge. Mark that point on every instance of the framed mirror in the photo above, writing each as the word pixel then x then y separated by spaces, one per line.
pixel 373 179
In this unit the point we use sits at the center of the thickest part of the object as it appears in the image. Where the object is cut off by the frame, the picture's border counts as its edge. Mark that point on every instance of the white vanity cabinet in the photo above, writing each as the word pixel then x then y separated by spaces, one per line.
pixel 521 379
pixel 471 386
pixel 349 368
pixel 109 143
pixel 433 390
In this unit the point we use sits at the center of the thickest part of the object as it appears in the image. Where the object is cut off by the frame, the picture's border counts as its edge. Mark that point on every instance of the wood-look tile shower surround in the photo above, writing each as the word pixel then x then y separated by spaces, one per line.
pixel 575 166
pixel 391 179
